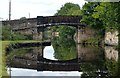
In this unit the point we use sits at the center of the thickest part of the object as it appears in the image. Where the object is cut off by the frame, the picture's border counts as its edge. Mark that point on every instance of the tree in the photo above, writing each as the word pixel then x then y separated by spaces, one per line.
pixel 23 18
pixel 88 19
pixel 68 9
pixel 108 14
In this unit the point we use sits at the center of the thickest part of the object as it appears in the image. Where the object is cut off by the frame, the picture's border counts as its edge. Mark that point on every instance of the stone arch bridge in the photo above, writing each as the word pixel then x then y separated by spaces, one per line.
pixel 35 26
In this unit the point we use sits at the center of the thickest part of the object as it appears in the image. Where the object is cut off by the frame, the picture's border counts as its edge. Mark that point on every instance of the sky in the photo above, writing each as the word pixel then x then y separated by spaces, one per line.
pixel 33 8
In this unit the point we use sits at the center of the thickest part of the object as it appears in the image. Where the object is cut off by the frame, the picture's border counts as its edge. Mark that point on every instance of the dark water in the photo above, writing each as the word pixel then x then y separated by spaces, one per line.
pixel 64 58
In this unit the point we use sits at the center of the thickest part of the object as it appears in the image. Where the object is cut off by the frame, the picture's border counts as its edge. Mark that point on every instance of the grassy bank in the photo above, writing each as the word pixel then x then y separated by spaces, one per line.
pixel 3 71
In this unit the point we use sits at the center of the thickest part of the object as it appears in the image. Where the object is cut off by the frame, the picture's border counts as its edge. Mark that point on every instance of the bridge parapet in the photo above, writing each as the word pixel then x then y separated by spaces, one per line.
pixel 19 23
pixel 58 19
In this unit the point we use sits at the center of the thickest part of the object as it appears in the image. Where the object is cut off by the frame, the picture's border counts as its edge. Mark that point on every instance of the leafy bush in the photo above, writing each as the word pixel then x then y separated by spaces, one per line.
pixel 8 34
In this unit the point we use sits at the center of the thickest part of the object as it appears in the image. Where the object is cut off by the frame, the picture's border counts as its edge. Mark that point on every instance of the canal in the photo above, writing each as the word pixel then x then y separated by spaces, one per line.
pixel 64 57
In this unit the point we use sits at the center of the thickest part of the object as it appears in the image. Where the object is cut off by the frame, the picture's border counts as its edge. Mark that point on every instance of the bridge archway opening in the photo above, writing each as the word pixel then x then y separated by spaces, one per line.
pixel 58 30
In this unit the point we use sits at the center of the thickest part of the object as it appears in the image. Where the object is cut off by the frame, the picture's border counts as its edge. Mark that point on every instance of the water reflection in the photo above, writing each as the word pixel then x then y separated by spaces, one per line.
pixel 111 53
pixel 112 60
pixel 65 49
pixel 90 53
pixel 65 55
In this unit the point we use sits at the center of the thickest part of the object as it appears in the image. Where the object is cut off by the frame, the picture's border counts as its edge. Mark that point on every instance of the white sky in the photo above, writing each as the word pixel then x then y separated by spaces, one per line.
pixel 22 8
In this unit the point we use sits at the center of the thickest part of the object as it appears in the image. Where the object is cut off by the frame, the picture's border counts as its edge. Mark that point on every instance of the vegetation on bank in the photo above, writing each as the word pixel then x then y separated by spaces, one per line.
pixel 3 70
pixel 8 34
pixel 101 16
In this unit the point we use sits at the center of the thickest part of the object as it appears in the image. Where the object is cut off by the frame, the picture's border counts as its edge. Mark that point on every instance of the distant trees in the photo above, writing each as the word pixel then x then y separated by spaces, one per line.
pixel 69 9
pixel 23 18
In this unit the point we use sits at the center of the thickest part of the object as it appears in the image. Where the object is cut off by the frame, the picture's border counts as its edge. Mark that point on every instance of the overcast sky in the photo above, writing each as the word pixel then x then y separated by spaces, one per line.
pixel 22 8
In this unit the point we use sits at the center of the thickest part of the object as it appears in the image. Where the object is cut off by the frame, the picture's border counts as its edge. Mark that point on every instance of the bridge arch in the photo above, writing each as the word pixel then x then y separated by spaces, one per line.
pixel 48 21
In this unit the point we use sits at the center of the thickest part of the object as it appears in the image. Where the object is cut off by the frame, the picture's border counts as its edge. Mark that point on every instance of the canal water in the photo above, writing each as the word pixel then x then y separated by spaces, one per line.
pixel 64 57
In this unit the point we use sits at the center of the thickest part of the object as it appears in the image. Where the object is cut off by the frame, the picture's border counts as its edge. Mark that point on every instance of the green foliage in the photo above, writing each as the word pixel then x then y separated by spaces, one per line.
pixel 88 19
pixel 112 66
pixel 8 34
pixel 68 9
pixel 66 31
pixel 18 52
pixel 23 18
pixel 101 16
pixel 108 14
pixel 65 49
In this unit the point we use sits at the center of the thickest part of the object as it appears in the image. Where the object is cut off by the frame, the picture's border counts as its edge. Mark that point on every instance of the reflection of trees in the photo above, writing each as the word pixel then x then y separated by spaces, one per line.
pixel 23 57
pixel 90 52
pixel 65 49
pixel 114 67
pixel 96 66
pixel 112 61
pixel 19 52
pixel 93 69
pixel 107 68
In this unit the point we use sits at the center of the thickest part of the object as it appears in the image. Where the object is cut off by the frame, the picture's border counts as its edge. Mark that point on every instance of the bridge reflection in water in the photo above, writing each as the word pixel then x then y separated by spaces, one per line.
pixel 67 57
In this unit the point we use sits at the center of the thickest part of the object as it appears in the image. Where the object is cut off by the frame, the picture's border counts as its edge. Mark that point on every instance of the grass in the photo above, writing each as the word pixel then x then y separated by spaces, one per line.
pixel 0 59
pixel 3 71
pixel 3 45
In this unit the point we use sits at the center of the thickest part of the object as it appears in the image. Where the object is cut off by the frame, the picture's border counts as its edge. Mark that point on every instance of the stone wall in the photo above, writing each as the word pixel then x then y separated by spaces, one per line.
pixel 111 38
pixel 84 35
